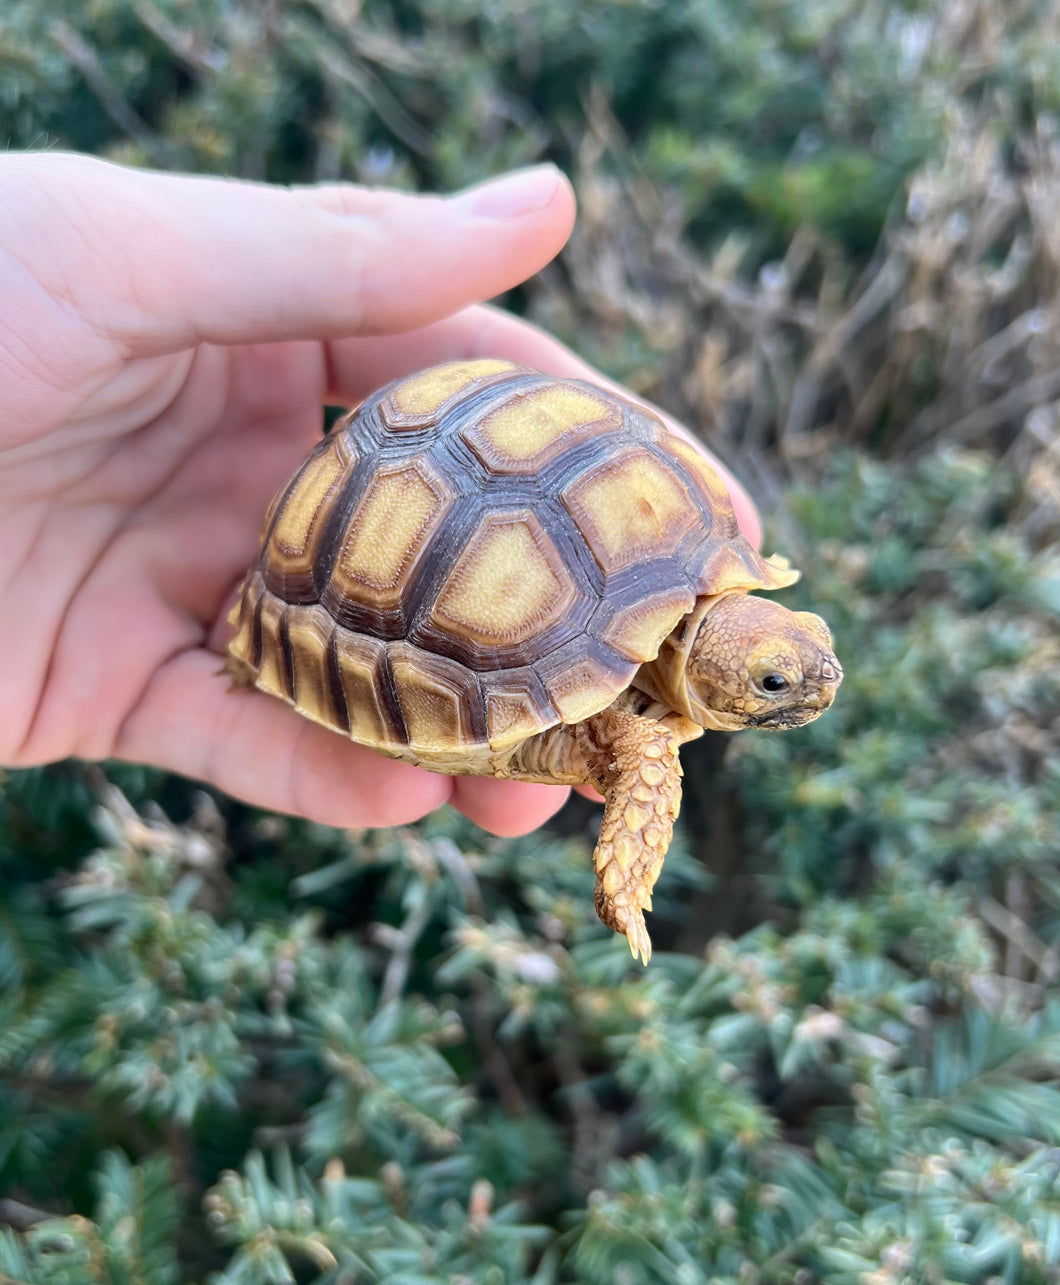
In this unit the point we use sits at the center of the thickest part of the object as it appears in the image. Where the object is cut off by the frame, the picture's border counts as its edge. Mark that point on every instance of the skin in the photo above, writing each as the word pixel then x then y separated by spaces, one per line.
pixel 166 346
pixel 756 664
pixel 751 662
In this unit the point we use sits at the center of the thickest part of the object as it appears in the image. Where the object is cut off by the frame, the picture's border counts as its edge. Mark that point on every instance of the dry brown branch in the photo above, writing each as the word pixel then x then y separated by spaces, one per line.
pixel 1021 940
pixel 113 102
pixel 186 46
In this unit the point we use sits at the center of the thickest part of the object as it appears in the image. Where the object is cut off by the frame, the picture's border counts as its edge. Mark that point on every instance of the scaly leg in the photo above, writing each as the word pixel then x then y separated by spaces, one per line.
pixel 633 762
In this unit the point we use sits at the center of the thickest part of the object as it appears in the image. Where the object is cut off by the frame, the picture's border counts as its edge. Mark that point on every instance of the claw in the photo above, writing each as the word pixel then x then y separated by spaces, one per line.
pixel 637 936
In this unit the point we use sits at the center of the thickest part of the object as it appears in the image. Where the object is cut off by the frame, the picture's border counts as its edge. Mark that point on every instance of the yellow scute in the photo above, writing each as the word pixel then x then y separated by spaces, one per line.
pixel 390 526
pixel 697 464
pixel 637 631
pixel 531 423
pixel 629 510
pixel 303 506
pixel 507 585
pixel 309 631
pixel 424 393
pixel 511 718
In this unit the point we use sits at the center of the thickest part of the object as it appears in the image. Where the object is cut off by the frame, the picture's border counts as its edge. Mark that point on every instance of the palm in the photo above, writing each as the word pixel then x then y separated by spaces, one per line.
pixel 142 533
pixel 140 596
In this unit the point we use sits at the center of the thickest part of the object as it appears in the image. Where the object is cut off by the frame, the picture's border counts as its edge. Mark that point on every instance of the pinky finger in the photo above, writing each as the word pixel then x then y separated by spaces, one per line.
pixel 506 807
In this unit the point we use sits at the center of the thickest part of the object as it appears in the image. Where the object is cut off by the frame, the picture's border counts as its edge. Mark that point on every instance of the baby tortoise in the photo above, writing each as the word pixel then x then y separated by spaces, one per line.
pixel 486 570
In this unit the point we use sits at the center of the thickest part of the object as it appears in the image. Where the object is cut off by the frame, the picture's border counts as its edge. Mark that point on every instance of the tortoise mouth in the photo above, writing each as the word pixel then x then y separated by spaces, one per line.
pixel 820 697
pixel 782 719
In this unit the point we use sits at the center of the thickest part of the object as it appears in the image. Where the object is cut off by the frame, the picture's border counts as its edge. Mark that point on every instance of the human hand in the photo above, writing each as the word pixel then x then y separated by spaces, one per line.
pixel 166 345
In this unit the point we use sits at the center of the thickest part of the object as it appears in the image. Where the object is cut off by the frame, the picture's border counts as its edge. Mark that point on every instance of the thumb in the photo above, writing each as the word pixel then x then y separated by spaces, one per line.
pixel 160 262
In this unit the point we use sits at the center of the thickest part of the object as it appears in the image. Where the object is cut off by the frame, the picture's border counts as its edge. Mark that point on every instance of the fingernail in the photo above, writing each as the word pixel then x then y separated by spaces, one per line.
pixel 521 192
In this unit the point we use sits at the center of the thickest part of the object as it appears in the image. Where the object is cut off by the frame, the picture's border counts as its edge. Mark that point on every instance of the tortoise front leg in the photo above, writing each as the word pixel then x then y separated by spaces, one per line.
pixel 633 762
pixel 637 769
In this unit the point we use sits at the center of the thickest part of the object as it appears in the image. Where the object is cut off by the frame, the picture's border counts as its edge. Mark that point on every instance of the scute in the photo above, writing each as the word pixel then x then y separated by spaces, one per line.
pixel 583 678
pixel 508 585
pixel 292 544
pixel 244 648
pixel 517 706
pixel 440 700
pixel 403 505
pixel 713 488
pixel 636 629
pixel 480 552
pixel 630 509
pixel 272 674
pixel 309 634
pixel 736 567
pixel 360 662
pixel 420 400
pixel 524 433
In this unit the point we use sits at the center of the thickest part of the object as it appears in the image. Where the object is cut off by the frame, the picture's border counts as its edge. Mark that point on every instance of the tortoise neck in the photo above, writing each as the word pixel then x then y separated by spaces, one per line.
pixel 665 678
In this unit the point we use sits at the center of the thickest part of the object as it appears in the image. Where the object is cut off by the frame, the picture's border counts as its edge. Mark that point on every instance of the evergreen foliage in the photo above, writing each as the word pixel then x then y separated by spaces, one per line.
pixel 240 1049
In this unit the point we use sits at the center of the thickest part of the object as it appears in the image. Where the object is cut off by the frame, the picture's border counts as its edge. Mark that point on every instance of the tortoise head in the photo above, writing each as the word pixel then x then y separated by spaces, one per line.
pixel 740 661
pixel 754 663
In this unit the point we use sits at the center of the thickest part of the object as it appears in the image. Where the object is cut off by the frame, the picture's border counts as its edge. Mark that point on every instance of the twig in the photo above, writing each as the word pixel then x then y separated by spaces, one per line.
pixel 744 303
pixel 511 1096
pixel 881 290
pixel 587 1161
pixel 1020 936
pixel 84 58
pixel 364 82
pixel 182 44
pixel 402 942
pixel 21 1216
pixel 347 23
pixel 786 1254
pixel 1010 405
pixel 456 864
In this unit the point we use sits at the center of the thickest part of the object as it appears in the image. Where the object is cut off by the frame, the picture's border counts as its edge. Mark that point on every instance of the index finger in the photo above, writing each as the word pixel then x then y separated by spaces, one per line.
pixel 158 262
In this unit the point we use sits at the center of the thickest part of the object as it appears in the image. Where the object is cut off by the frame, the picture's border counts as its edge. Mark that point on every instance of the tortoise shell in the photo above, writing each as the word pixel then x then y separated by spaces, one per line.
pixel 478 553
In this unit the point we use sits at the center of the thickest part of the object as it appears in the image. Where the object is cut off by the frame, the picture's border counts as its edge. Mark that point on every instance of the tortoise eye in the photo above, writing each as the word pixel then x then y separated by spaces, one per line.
pixel 773 683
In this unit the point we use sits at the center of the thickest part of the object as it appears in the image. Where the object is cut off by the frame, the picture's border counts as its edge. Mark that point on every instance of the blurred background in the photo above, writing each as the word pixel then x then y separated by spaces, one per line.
pixel 240 1049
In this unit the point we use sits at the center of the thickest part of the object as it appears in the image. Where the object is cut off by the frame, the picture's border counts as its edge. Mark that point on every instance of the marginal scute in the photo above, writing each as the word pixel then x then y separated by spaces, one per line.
pixel 582 679
pixel 637 630
pixel 507 586
pixel 530 429
pixel 777 572
pixel 241 660
pixel 272 673
pixel 361 662
pixel 420 400
pixel 736 567
pixel 630 509
pixel 437 697
pixel 710 482
pixel 401 508
pixel 309 631
pixel 516 707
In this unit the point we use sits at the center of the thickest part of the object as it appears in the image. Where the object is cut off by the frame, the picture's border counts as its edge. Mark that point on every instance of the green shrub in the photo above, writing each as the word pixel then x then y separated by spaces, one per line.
pixel 238 1048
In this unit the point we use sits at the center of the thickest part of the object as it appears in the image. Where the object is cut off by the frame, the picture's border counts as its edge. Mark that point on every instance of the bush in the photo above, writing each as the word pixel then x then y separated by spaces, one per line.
pixel 239 1048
